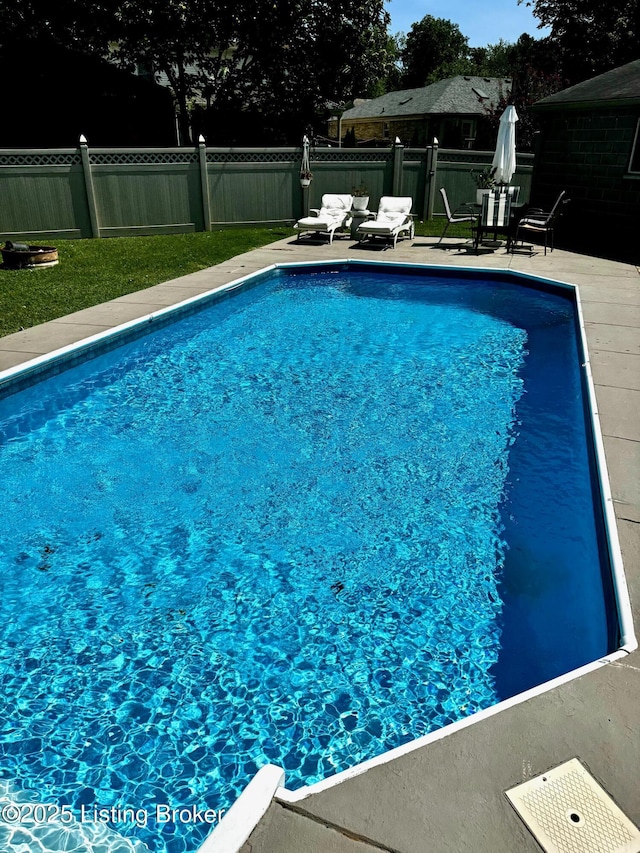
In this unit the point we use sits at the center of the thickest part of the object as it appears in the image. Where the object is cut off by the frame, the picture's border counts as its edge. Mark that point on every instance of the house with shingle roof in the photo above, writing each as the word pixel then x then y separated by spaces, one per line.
pixel 589 145
pixel 453 110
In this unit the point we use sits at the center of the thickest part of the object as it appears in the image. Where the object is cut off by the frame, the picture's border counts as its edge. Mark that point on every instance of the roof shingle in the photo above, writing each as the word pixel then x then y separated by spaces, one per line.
pixel 457 95
pixel 619 84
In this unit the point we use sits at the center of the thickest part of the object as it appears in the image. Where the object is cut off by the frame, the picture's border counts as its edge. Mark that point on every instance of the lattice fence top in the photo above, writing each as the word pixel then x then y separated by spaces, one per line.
pixel 186 156
pixel 351 155
pixel 143 158
pixel 25 158
pixel 253 156
pixel 415 155
pixel 445 156
pixel 449 155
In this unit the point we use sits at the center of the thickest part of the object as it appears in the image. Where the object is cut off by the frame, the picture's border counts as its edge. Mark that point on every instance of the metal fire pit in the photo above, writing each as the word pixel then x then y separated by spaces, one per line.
pixel 19 255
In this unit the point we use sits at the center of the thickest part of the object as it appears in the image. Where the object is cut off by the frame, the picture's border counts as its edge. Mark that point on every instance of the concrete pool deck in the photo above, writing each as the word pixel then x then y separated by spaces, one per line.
pixel 449 795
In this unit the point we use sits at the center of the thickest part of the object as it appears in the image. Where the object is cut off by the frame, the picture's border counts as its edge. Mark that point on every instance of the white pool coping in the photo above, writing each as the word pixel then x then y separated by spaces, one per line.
pixel 243 816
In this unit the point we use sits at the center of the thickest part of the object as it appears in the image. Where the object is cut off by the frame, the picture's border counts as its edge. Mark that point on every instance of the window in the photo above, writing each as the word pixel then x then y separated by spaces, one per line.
pixel 468 133
pixel 634 162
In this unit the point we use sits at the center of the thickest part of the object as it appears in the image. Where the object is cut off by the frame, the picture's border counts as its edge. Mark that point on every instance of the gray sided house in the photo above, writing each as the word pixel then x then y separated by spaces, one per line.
pixel 454 111
pixel 589 145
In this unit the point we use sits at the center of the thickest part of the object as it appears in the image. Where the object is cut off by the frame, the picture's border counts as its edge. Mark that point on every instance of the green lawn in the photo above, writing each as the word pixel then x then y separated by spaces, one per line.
pixel 435 227
pixel 95 271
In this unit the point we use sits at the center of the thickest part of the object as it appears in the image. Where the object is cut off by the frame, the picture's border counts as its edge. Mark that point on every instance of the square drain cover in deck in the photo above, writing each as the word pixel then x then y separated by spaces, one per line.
pixel 568 812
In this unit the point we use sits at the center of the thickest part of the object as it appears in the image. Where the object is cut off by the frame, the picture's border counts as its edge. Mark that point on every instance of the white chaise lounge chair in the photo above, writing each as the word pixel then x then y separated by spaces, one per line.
pixel 334 215
pixel 392 219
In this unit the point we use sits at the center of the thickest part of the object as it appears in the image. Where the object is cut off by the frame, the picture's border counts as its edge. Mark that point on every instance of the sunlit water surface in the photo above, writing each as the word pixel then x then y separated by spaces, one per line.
pixel 301 527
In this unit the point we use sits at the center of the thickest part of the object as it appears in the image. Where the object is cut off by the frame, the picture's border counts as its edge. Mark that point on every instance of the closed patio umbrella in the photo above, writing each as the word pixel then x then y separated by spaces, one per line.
pixel 504 159
pixel 305 167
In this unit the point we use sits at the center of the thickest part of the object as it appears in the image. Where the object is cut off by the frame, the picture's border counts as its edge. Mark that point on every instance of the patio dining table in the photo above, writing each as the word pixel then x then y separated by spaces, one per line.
pixel 517 211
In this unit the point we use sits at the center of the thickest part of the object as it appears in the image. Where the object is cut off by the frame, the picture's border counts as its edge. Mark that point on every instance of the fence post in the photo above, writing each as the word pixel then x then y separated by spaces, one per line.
pixel 306 200
pixel 430 180
pixel 398 164
pixel 204 183
pixel 88 183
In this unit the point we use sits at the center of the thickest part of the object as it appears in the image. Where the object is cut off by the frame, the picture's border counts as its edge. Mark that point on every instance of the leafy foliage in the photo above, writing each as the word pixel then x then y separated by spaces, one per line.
pixel 494 60
pixel 277 62
pixel 532 67
pixel 392 79
pixel 593 36
pixel 484 178
pixel 531 64
pixel 433 47
pixel 258 71
pixel 292 59
pixel 80 26
pixel 189 41
pixel 538 85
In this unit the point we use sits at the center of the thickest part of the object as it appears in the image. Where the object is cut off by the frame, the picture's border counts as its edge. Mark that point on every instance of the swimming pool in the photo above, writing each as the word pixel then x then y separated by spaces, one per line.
pixel 302 525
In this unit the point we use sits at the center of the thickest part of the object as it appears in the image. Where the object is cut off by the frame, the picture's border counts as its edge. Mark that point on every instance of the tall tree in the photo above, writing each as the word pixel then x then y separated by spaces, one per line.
pixel 593 36
pixel 432 49
pixel 392 77
pixel 268 58
pixel 187 41
pixel 292 58
pixel 494 60
pixel 532 65
pixel 190 42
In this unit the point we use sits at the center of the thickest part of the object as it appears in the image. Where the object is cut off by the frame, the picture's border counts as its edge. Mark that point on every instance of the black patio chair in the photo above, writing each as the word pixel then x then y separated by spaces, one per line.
pixel 536 221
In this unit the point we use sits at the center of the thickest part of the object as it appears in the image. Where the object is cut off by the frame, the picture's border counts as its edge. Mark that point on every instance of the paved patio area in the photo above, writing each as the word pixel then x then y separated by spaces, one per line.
pixel 448 796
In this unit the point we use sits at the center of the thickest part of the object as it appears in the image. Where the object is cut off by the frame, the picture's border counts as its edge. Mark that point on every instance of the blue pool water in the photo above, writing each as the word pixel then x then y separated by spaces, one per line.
pixel 328 514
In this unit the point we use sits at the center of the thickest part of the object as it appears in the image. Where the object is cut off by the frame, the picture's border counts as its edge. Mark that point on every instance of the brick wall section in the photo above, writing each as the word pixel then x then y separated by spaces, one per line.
pixel 587 153
pixel 374 129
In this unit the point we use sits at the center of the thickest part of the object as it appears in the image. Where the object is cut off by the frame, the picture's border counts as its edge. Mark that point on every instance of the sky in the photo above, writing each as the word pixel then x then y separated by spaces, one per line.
pixel 481 23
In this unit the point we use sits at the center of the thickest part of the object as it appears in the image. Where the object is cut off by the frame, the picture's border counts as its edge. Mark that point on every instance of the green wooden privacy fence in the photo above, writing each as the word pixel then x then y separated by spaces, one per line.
pixel 106 192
